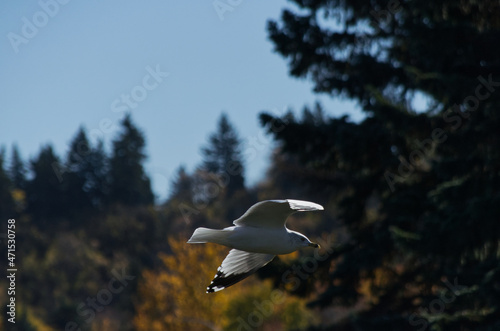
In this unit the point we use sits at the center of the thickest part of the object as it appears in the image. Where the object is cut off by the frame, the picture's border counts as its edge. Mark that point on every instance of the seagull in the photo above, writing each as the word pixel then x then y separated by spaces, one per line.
pixel 256 238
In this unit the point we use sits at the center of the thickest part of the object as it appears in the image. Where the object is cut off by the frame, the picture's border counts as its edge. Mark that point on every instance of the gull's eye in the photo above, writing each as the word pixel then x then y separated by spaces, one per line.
pixel 303 239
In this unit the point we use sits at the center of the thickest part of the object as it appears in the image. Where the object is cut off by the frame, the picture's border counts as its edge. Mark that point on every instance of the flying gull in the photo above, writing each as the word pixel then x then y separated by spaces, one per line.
pixel 256 238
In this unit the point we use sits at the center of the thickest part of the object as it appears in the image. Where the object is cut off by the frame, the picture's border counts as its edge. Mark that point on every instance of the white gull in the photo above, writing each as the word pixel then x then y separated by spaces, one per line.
pixel 256 238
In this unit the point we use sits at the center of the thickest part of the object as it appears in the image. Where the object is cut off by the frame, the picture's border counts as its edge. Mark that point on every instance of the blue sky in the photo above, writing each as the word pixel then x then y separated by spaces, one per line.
pixel 71 63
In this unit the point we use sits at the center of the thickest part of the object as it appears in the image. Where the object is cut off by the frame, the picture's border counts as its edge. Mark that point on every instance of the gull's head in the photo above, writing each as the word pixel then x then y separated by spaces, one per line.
pixel 299 240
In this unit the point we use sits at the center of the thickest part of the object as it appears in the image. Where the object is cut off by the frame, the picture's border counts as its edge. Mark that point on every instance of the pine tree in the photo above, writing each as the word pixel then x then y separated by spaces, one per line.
pixel 85 182
pixel 77 177
pixel 419 190
pixel 17 170
pixel 222 156
pixel 129 184
pixel 98 181
pixel 45 194
pixel 182 186
pixel 6 201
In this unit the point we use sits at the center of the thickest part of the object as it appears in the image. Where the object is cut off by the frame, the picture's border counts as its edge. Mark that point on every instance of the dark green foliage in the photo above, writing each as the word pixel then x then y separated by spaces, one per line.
pixel 45 194
pixel 419 191
pixel 17 170
pixel 6 201
pixel 222 156
pixel 85 182
pixel 73 236
pixel 129 183
pixel 182 185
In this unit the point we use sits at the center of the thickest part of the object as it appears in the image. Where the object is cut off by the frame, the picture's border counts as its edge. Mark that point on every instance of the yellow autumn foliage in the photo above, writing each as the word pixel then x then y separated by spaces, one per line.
pixel 369 286
pixel 174 297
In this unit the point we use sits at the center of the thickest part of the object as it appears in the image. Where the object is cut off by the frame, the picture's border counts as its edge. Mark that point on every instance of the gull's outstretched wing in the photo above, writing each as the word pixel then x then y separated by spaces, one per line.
pixel 273 213
pixel 237 266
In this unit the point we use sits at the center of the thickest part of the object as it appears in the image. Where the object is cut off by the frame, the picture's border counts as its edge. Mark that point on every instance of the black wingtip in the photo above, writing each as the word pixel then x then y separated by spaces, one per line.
pixel 213 287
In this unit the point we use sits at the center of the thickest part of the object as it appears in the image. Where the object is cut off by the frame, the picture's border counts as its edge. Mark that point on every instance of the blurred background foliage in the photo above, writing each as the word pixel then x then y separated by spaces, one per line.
pixel 410 232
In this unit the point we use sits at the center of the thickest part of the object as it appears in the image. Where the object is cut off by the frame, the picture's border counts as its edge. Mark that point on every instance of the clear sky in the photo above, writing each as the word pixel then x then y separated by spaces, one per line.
pixel 175 66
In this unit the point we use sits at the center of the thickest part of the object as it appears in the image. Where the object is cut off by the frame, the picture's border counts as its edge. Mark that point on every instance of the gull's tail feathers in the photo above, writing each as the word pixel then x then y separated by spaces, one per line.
pixel 204 235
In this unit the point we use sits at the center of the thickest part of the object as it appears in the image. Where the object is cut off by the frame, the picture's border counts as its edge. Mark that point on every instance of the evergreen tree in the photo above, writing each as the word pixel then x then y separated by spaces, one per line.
pixel 222 156
pixel 45 194
pixel 17 170
pixel 98 181
pixel 129 183
pixel 419 189
pixel 86 178
pixel 182 186
pixel 6 201
pixel 79 171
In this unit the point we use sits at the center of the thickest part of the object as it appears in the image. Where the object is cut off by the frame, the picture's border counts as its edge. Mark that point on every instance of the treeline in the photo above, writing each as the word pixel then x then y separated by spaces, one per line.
pixel 55 190
pixel 79 220
pixel 89 220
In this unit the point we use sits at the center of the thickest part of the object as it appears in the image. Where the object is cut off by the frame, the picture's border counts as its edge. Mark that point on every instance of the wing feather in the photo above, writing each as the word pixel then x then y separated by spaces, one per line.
pixel 273 213
pixel 237 266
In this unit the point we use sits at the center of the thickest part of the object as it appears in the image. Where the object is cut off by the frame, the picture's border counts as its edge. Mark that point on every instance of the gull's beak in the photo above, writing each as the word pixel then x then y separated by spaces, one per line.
pixel 313 245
